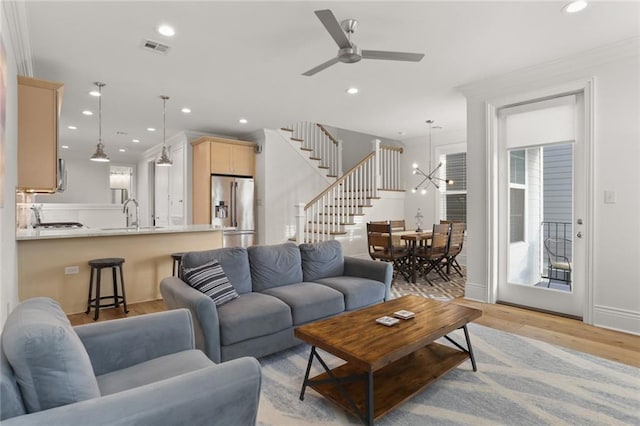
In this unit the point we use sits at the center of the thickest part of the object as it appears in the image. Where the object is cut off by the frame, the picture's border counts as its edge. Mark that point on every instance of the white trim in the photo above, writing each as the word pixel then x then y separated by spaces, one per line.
pixel 582 85
pixel 477 292
pixel 616 319
pixel 573 64
pixel 18 30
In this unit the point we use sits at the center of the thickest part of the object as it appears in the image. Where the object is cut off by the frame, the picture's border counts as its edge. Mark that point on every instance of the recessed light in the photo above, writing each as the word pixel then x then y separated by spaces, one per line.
pixel 243 121
pixel 64 146
pixel 72 127
pixel 575 6
pixel 186 110
pixel 151 129
pixel 122 150
pixel 87 112
pixel 352 90
pixel 166 30
pixel 135 140
pixel 94 93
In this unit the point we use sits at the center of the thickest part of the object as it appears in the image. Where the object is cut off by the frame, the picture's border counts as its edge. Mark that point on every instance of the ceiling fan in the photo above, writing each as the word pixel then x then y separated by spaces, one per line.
pixel 349 52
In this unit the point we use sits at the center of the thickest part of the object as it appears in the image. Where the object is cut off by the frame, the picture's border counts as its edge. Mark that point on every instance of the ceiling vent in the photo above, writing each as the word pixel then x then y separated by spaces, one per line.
pixel 155 46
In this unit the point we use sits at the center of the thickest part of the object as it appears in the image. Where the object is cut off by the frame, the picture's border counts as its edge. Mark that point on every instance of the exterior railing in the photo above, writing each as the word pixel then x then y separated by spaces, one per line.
pixel 558 230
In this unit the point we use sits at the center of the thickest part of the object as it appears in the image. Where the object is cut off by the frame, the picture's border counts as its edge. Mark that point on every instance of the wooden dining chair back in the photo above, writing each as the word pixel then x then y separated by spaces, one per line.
pixel 381 247
pixel 398 225
pixel 456 239
pixel 431 257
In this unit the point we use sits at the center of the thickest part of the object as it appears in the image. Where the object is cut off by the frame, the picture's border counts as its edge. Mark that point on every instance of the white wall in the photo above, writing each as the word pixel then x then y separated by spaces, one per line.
pixel 356 145
pixel 616 270
pixel 87 182
pixel 283 179
pixel 416 150
pixel 8 249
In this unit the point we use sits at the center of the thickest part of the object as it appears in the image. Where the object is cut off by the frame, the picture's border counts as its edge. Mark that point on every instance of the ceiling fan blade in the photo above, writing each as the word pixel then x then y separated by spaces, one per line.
pixel 320 67
pixel 331 24
pixel 392 56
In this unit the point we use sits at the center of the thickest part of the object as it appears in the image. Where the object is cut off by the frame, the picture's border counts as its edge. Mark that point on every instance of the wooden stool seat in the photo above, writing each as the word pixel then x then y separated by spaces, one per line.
pixel 97 265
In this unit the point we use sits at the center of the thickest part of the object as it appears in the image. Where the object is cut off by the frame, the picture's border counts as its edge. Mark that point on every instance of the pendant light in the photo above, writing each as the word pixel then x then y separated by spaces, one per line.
pixel 164 160
pixel 428 177
pixel 100 155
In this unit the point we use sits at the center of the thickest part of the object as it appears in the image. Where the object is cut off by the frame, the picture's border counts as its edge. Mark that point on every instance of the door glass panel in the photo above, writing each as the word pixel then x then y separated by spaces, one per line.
pixel 540 212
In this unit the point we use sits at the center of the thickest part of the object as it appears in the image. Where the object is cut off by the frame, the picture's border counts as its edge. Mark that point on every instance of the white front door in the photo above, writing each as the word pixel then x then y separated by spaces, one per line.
pixel 542 204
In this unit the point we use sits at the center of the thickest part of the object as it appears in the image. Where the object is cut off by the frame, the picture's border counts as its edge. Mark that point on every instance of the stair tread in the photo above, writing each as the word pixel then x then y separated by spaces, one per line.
pixel 330 232
pixel 297 139
pixel 315 158
pixel 329 223
pixel 286 129
pixel 306 149
pixel 323 167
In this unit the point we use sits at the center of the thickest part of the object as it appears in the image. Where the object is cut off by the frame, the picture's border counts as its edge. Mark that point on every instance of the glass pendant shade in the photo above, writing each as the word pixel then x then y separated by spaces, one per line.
pixel 164 160
pixel 100 155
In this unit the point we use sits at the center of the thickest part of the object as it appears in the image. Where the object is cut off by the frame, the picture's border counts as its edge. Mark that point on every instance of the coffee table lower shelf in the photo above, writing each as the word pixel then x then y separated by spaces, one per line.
pixel 393 384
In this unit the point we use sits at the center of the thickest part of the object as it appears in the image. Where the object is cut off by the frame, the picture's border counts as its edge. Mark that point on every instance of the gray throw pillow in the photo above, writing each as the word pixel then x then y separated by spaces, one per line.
pixel 50 362
pixel 210 279
pixel 322 260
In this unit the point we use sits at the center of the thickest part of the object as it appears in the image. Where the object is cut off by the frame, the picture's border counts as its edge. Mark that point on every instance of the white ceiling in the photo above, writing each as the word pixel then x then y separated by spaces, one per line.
pixel 245 59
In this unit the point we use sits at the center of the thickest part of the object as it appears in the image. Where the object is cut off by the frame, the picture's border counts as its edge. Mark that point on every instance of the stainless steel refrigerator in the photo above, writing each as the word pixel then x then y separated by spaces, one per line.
pixel 232 206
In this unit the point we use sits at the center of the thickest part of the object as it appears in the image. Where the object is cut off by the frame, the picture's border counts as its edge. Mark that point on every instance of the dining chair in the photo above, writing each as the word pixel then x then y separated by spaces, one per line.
pixel 381 247
pixel 456 238
pixel 432 256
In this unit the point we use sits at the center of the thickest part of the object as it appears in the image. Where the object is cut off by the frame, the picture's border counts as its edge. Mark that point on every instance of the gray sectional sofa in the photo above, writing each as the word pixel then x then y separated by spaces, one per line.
pixel 280 287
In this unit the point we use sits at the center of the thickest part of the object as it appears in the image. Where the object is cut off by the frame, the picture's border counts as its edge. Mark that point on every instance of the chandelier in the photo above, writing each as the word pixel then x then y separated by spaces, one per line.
pixel 431 176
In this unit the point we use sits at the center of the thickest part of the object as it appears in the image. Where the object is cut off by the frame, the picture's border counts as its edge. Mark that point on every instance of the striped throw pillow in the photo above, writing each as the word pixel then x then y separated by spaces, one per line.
pixel 211 280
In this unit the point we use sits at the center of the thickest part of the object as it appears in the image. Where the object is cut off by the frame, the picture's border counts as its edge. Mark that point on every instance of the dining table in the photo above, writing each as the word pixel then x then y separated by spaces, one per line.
pixel 414 239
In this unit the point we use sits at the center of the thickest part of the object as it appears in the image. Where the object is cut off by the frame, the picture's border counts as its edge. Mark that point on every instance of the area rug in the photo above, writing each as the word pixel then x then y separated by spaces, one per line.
pixel 520 381
pixel 438 289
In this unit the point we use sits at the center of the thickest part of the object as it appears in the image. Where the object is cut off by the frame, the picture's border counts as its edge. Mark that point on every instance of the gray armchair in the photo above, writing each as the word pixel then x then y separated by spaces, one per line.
pixel 141 370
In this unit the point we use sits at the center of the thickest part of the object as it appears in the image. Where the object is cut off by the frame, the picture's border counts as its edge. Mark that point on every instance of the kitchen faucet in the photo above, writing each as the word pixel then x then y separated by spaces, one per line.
pixel 124 210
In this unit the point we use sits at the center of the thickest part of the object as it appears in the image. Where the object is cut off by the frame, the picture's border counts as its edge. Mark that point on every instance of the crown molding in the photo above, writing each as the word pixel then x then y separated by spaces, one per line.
pixel 572 64
pixel 18 30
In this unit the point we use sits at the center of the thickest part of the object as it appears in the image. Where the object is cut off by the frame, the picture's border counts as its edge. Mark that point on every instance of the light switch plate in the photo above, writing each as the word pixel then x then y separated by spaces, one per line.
pixel 609 197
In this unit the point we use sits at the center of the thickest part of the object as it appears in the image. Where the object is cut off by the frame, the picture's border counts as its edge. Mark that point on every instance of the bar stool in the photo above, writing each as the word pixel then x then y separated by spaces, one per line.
pixel 97 265
pixel 177 261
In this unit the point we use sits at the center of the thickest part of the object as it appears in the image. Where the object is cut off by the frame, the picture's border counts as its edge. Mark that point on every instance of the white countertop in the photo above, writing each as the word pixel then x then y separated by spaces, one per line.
pixel 43 234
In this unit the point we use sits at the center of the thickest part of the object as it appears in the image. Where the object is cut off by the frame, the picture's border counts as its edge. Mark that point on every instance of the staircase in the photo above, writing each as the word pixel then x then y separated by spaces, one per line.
pixel 320 148
pixel 344 203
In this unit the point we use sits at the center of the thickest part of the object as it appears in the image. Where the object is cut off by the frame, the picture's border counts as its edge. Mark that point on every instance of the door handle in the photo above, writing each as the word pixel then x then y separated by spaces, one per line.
pixel 579 235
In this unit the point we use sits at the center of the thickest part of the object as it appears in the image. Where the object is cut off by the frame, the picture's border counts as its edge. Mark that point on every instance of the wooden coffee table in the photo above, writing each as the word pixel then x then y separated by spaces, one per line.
pixel 400 360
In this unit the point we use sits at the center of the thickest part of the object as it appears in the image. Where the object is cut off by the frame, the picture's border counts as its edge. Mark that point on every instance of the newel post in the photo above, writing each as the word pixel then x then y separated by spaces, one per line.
pixel 300 219
pixel 376 167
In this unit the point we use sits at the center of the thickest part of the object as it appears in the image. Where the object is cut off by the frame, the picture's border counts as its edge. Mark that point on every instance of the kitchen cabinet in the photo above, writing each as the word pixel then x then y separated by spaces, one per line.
pixel 213 155
pixel 39 104
pixel 232 158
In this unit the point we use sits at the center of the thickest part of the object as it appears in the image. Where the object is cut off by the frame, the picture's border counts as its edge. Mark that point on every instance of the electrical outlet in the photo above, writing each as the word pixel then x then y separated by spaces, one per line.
pixel 68 270
pixel 609 197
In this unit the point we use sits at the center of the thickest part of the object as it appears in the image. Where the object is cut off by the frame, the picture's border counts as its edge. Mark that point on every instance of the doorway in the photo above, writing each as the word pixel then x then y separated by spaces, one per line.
pixel 542 204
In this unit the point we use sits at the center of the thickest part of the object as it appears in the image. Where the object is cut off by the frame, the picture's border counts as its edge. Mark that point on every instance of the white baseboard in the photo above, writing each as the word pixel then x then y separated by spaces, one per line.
pixel 476 292
pixel 616 319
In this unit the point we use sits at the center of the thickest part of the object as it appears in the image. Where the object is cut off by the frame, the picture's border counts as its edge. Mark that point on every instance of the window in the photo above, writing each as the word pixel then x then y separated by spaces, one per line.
pixel 454 196
pixel 517 195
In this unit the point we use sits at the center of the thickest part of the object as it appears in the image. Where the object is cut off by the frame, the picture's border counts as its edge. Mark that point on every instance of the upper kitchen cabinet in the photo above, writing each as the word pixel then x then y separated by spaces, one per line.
pixel 39 104
pixel 212 155
pixel 232 158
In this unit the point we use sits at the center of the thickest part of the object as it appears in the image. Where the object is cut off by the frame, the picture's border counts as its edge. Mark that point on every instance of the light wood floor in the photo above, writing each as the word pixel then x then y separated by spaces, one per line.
pixel 566 332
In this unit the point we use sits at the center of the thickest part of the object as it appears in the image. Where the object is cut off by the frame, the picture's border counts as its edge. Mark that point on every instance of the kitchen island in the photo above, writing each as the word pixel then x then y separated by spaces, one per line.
pixel 53 262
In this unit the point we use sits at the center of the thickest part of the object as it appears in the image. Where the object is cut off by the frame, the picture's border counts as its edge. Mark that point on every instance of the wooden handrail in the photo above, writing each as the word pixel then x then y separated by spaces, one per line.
pixel 393 148
pixel 340 180
pixel 326 132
